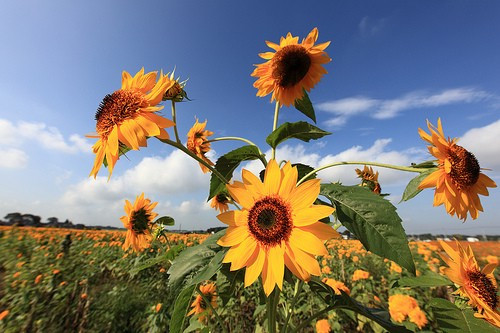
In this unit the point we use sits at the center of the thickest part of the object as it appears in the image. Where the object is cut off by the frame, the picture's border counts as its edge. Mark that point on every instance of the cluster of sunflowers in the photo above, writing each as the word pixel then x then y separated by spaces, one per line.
pixel 279 224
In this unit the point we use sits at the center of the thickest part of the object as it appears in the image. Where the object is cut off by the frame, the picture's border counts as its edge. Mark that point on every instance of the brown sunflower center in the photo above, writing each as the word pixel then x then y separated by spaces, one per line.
pixel 270 221
pixel 464 167
pixel 290 65
pixel 483 287
pixel 117 107
pixel 140 220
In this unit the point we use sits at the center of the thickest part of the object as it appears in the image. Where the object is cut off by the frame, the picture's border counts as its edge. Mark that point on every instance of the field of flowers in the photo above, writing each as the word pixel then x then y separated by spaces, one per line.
pixel 57 280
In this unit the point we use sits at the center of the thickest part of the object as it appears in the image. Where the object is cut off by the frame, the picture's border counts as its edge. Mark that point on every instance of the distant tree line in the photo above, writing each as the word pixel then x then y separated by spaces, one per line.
pixel 30 220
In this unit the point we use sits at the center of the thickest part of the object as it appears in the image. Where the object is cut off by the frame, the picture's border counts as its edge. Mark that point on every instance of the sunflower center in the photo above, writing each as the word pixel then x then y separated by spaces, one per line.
pixel 464 167
pixel 483 287
pixel 290 65
pixel 140 220
pixel 117 107
pixel 270 221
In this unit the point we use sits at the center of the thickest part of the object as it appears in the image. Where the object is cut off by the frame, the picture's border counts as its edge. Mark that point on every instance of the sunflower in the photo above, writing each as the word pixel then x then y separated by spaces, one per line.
pixel 458 179
pixel 276 227
pixel 138 222
pixel 198 142
pixel 127 117
pixel 479 286
pixel 369 178
pixel 292 69
pixel 220 202
pixel 199 305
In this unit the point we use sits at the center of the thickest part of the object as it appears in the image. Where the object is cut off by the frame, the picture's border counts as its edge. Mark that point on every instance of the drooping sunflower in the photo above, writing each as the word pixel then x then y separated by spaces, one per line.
pixel 369 178
pixel 277 226
pixel 292 68
pixel 138 222
pixel 458 179
pixel 128 116
pixel 479 286
pixel 199 306
pixel 220 202
pixel 198 142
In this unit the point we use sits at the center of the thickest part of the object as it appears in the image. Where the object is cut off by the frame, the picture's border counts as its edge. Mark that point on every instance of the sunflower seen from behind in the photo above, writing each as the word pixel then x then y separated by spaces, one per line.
pixel 198 143
pixel 138 222
pixel 277 226
pixel 292 68
pixel 125 118
pixel 458 180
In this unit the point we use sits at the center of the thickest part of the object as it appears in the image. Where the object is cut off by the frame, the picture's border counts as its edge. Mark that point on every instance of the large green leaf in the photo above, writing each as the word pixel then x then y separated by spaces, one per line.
pixel 226 165
pixel 453 319
pixel 429 279
pixel 181 307
pixel 343 301
pixel 305 106
pixel 227 281
pixel 299 130
pixel 373 220
pixel 412 189
pixel 165 220
pixel 163 259
pixel 193 260
pixel 211 269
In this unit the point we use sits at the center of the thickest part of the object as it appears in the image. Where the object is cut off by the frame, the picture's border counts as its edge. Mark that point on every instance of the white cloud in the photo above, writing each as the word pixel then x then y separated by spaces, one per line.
pixel 345 108
pixel 371 27
pixel 48 137
pixel 13 158
pixel 483 143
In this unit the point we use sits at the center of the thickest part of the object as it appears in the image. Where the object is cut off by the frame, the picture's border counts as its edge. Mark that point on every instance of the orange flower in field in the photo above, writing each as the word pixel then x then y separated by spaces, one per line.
pixel 4 314
pixel 360 274
pixel 293 68
pixel 158 307
pixel 337 286
pixel 199 306
pixel 138 221
pixel 400 306
pixel 128 116
pixel 220 202
pixel 395 267
pixel 322 326
pixel 492 259
pixel 38 279
pixel 84 296
pixel 417 316
pixel 56 271
pixel 458 179
pixel 479 287
pixel 326 270
pixel 198 142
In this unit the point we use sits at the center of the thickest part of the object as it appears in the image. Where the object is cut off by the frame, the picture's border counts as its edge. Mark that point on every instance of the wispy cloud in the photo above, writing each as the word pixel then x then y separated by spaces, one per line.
pixel 345 108
pixel 370 27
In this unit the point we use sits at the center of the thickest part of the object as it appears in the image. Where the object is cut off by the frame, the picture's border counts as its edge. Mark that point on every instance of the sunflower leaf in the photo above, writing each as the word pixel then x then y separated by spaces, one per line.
pixel 227 281
pixel 305 106
pixel 429 279
pixel 412 189
pixel 163 259
pixel 453 319
pixel 344 301
pixel 373 220
pixel 299 130
pixel 165 220
pixel 122 150
pixel 226 164
pixel 181 307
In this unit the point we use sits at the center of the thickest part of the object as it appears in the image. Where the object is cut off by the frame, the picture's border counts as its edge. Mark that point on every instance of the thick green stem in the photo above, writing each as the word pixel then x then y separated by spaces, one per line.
pixel 209 304
pixel 298 288
pixel 275 123
pixel 261 157
pixel 314 316
pixel 272 307
pixel 383 165
pixel 175 122
pixel 188 152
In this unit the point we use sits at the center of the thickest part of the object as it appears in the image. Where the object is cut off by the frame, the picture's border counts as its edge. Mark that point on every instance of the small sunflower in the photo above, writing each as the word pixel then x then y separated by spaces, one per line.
pixel 199 306
pixel 220 202
pixel 369 178
pixel 276 227
pixel 127 117
pixel 293 68
pixel 458 179
pixel 138 222
pixel 176 92
pixel 479 286
pixel 198 142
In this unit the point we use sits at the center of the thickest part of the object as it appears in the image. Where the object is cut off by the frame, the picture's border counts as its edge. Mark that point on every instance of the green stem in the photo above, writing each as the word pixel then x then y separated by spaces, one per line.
pixel 314 316
pixel 188 152
pixel 275 123
pixel 261 157
pixel 175 122
pixel 209 304
pixel 272 305
pixel 383 165
pixel 298 287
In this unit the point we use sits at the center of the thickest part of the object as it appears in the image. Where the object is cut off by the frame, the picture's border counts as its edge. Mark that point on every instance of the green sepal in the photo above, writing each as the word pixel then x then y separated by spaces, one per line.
pixel 299 130
pixel 373 220
pixel 122 150
pixel 412 189
pixel 424 165
pixel 305 106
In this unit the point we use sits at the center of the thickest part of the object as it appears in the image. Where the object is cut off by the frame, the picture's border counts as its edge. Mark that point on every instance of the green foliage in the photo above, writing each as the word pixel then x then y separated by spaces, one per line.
pixel 453 319
pixel 165 220
pixel 412 189
pixel 164 259
pixel 226 164
pixel 305 106
pixel 373 220
pixel 181 308
pixel 298 130
pixel 429 279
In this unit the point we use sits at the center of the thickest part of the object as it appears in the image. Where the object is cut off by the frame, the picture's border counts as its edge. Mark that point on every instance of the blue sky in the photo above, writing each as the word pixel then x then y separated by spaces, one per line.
pixel 394 65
